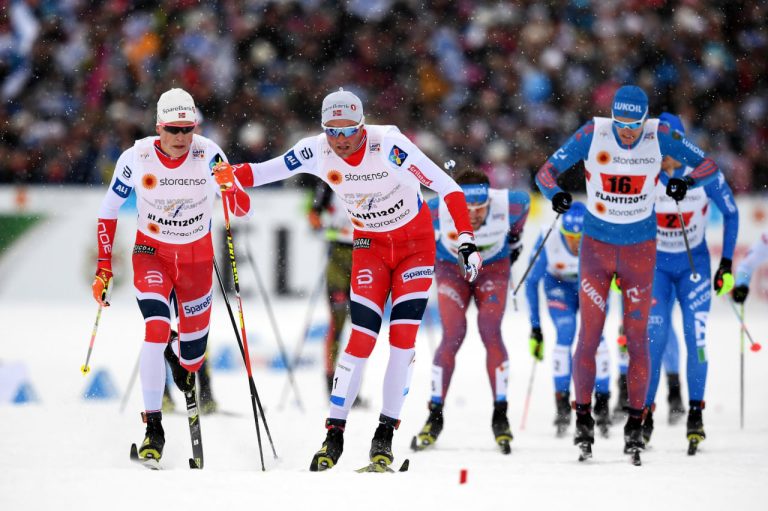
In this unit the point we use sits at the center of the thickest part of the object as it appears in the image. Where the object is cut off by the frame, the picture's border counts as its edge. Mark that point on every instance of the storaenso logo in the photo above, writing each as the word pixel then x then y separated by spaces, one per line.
pixel 378 214
pixel 628 107
pixel 420 272
pixel 181 181
pixel 633 161
pixel 197 307
pixel 366 177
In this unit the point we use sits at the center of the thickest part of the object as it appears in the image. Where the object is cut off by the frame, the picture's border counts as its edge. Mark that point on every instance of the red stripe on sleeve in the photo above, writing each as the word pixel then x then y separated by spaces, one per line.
pixel 705 168
pixel 546 178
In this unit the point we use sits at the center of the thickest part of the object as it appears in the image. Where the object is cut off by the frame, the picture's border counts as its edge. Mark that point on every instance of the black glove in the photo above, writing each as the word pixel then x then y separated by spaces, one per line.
pixel 723 281
pixel 740 293
pixel 561 202
pixel 536 344
pixel 677 187
pixel 515 247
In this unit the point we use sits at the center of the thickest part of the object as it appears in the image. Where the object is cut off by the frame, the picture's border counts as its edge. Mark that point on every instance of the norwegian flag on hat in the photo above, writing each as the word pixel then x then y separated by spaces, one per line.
pixel 336 113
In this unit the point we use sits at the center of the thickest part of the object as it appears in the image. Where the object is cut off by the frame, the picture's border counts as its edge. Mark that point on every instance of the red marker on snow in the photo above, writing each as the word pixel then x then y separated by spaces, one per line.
pixel 463 476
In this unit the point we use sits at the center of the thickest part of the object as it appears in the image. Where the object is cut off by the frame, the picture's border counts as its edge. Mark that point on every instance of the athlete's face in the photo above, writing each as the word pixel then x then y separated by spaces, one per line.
pixel 175 144
pixel 573 243
pixel 628 135
pixel 477 215
pixel 342 145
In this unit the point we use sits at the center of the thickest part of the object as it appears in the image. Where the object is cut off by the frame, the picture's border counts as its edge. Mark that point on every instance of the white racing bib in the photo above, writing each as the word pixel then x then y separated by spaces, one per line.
pixel 174 205
pixel 491 237
pixel 621 183
pixel 561 263
pixel 694 207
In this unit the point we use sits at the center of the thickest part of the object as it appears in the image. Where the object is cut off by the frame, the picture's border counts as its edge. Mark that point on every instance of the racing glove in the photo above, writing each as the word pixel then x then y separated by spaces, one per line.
pixel 536 344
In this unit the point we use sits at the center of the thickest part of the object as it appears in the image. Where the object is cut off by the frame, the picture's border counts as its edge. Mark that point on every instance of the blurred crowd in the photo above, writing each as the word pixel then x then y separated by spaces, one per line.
pixel 495 84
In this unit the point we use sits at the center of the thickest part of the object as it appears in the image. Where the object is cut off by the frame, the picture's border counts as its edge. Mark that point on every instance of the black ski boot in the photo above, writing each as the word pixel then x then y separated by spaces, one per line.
pixel 500 426
pixel 184 380
pixel 603 412
pixel 620 410
pixel 154 438
pixel 695 426
pixel 431 430
pixel 381 443
pixel 675 399
pixel 207 403
pixel 648 423
pixel 333 446
pixel 584 436
pixel 563 413
pixel 633 435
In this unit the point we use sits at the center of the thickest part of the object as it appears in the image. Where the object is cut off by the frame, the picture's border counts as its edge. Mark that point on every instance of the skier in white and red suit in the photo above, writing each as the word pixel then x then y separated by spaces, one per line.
pixel 175 194
pixel 377 173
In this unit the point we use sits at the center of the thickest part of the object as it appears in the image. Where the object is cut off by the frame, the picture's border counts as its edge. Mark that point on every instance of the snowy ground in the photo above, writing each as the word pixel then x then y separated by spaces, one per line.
pixel 67 453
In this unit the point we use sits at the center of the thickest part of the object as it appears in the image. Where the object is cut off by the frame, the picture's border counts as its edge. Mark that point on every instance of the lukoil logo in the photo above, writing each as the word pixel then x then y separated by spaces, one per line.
pixel 628 107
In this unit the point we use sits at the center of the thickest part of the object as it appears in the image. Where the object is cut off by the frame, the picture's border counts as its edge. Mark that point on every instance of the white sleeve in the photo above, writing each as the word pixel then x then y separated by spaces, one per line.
pixel 417 163
pixel 758 253
pixel 302 157
pixel 120 187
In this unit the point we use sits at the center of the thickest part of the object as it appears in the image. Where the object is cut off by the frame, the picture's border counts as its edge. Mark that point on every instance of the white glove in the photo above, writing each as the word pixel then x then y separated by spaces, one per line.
pixel 470 261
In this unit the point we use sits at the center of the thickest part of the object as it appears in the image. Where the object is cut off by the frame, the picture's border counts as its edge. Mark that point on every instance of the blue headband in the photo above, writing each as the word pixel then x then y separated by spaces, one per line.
pixel 631 102
pixel 475 193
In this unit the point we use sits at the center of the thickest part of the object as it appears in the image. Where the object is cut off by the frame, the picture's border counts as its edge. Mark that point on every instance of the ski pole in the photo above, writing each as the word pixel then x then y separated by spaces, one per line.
pixel 270 313
pixel 313 298
pixel 131 383
pixel 535 256
pixel 255 401
pixel 242 342
pixel 528 394
pixel 741 374
pixel 86 368
pixel 754 346
pixel 512 285
pixel 695 277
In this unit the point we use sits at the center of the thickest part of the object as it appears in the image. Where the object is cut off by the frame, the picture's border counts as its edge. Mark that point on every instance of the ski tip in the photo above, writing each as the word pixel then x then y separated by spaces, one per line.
pixel 195 464
pixel 636 461
pixel 134 452
pixel 405 466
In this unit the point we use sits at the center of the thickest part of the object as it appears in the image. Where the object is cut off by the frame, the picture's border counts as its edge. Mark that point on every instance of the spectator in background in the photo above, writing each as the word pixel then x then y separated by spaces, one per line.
pixel 472 73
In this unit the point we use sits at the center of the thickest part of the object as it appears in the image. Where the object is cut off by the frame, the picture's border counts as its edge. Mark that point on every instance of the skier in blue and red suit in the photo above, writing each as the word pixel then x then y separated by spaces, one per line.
pixel 622 158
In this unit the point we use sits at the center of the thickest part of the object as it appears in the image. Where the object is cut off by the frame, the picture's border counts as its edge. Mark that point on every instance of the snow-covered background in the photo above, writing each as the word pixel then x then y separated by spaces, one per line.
pixel 64 452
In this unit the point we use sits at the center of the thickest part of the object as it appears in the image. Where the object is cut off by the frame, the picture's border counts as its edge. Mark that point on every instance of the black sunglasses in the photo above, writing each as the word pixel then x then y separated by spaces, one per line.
pixel 175 130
